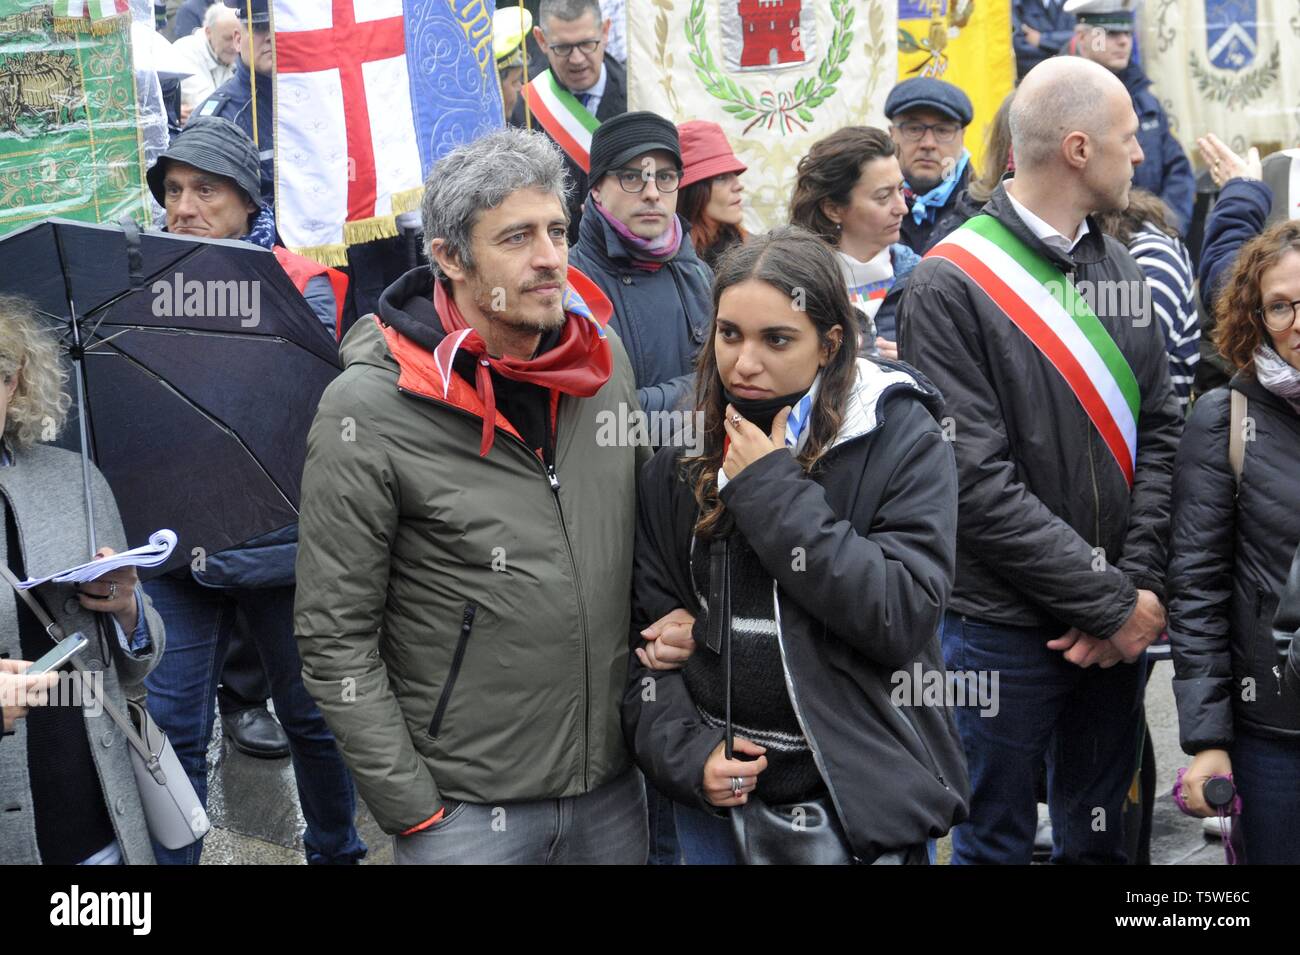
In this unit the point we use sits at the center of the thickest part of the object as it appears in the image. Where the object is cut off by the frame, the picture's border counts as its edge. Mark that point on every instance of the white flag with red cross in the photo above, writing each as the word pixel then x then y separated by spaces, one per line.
pixel 368 94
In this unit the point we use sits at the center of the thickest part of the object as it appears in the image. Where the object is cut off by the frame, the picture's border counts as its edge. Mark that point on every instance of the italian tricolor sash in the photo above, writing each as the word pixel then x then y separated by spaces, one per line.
pixel 568 121
pixel 1046 307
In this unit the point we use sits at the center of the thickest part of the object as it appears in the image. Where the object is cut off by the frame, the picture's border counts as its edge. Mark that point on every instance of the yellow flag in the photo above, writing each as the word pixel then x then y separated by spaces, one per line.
pixel 966 43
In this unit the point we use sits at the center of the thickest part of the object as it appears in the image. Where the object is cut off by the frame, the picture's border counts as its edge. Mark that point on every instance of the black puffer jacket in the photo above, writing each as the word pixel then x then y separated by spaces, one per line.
pixel 876 530
pixel 1231 554
pixel 1039 488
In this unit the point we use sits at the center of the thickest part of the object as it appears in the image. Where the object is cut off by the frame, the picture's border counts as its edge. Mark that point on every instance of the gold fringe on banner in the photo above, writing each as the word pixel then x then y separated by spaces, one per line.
pixel 368 230
pixel 95 27
pixel 408 200
pixel 334 254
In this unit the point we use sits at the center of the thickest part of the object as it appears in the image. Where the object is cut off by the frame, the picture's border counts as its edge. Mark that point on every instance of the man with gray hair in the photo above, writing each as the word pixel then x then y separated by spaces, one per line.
pixel 1034 326
pixel 210 53
pixel 466 536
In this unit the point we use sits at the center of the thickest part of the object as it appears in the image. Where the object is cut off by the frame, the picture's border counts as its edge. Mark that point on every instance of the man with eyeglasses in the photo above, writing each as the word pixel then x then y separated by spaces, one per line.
pixel 1104 34
pixel 577 88
pixel 638 250
pixel 928 119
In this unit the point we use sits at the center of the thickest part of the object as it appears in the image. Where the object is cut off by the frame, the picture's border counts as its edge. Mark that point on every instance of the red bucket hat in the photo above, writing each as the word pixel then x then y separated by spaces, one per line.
pixel 705 152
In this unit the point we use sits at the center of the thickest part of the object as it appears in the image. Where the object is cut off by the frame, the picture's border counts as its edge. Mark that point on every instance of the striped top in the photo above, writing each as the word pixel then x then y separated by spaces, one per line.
pixel 1168 269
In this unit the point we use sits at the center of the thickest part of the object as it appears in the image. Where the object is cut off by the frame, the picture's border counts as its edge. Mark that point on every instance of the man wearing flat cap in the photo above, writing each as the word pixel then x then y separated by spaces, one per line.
pixel 208 183
pixel 928 120
pixel 1105 35
pixel 632 243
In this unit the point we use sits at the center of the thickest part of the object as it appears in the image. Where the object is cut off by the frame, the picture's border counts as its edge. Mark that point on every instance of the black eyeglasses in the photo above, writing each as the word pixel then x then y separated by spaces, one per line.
pixel 1279 316
pixel 943 132
pixel 565 50
pixel 634 180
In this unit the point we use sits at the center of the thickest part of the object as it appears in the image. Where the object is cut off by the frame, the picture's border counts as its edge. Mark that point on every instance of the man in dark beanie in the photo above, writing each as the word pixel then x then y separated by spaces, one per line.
pixel 632 243
pixel 207 182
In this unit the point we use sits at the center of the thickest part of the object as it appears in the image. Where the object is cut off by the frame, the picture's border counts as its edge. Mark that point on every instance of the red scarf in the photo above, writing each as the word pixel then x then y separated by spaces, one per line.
pixel 578 365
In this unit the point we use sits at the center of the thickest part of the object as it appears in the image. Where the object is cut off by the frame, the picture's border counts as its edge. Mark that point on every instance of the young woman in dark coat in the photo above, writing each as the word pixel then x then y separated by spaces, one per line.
pixel 839 521
pixel 1232 547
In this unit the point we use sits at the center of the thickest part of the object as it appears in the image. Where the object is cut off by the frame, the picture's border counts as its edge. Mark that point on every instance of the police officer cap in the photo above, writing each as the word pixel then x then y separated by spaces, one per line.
pixel 215 145
pixel 261 10
pixel 510 27
pixel 929 93
pixel 1115 16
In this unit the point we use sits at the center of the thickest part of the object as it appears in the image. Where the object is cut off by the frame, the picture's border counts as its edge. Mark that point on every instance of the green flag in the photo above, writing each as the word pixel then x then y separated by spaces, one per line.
pixel 69 130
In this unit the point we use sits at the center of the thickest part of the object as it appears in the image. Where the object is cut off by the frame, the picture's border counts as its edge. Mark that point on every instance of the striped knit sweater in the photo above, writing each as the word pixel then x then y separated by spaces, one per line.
pixel 1168 269
pixel 760 703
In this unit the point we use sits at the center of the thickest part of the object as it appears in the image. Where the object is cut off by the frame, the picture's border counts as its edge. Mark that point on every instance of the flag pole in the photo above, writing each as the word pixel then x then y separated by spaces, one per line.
pixel 252 79
pixel 523 45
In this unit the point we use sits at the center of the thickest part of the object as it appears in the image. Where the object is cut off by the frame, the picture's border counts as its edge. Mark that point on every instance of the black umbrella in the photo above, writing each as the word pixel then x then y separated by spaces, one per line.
pixel 198 369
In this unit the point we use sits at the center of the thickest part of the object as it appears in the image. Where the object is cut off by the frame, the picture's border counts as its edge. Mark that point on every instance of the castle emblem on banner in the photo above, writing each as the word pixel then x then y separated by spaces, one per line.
pixel 934 24
pixel 1231 46
pixel 762 38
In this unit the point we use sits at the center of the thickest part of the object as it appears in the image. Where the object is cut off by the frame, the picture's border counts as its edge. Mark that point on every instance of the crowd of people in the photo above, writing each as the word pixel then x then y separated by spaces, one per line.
pixel 948 422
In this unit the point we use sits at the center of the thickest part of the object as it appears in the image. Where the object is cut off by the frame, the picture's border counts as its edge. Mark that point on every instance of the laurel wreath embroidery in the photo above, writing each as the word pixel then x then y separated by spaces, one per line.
pixel 664 58
pixel 1240 90
pixel 786 109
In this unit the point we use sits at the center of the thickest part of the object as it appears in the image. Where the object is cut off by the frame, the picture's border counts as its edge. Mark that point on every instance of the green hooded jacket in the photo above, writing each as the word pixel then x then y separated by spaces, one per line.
pixel 463 620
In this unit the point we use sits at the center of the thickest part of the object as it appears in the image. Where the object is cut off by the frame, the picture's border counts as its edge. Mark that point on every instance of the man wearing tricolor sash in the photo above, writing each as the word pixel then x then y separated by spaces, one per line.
pixel 580 88
pixel 1065 429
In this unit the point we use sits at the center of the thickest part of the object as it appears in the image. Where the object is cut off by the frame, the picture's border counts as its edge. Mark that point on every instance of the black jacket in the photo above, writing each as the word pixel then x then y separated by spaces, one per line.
pixel 612 102
pixel 662 317
pixel 875 530
pixel 959 207
pixel 1231 554
pixel 1286 636
pixel 1040 490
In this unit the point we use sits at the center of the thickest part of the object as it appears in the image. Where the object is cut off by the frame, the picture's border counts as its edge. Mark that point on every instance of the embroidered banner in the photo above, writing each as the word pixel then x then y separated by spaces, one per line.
pixel 1227 67
pixel 69 126
pixel 778 75
pixel 966 43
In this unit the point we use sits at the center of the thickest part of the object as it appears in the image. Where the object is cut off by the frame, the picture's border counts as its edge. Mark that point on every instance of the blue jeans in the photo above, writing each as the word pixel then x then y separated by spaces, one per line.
pixel 663 835
pixel 1086 724
pixel 182 695
pixel 703 838
pixel 1267 775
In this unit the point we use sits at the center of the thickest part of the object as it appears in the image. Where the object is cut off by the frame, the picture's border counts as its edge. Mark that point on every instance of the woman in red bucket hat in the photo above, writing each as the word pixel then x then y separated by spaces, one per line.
pixel 711 191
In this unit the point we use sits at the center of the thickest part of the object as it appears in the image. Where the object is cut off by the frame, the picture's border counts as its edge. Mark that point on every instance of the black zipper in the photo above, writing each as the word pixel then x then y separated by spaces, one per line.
pixel 1096 493
pixel 1254 635
pixel 934 764
pixel 548 468
pixel 466 625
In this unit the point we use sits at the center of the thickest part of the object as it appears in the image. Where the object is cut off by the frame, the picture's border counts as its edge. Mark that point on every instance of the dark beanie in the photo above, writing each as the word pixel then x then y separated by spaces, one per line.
pixel 213 145
pixel 621 137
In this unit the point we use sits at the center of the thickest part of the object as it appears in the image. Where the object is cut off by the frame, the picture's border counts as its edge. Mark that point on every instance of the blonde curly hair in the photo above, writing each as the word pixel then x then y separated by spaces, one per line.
pixel 40 405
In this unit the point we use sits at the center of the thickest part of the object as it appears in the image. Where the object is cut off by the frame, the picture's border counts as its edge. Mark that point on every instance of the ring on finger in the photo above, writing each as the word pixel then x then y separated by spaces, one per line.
pixel 737 785
pixel 112 590
pixel 735 421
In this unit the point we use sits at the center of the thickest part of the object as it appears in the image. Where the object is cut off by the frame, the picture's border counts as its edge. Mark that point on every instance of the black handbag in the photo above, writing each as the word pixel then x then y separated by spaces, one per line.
pixel 805 833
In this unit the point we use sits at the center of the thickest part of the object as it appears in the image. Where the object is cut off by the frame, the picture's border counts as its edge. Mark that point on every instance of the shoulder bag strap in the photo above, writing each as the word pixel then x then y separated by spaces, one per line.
pixel 57 633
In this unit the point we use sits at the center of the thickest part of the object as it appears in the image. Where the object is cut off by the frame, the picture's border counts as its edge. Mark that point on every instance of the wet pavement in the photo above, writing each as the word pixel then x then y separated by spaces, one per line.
pixel 254 802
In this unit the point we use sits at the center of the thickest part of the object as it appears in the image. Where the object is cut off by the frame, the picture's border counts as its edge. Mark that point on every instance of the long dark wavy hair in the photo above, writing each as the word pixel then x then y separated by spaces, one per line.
pixel 709 237
pixel 802 267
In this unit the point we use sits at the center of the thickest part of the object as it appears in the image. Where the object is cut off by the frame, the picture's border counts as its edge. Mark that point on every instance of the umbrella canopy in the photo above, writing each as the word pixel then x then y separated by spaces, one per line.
pixel 200 367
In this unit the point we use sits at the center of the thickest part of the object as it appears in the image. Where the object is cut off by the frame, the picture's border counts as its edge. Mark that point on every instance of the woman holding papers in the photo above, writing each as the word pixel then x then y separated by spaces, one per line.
pixel 66 781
